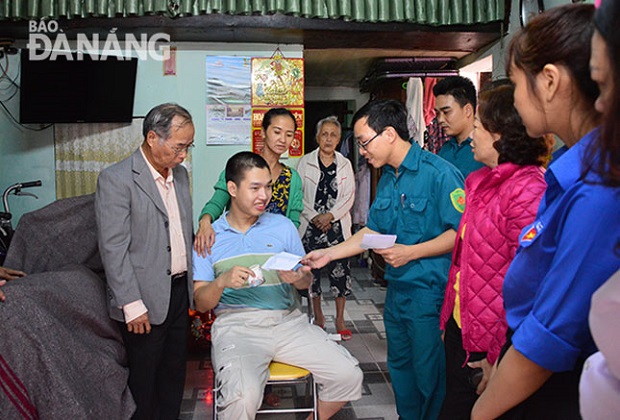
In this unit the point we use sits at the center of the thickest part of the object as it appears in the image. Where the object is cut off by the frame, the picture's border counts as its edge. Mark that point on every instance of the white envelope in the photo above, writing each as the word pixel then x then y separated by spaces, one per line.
pixel 282 261
pixel 377 241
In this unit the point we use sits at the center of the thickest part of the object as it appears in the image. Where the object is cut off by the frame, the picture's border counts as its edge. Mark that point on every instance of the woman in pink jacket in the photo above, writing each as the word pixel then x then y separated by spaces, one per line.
pixel 502 198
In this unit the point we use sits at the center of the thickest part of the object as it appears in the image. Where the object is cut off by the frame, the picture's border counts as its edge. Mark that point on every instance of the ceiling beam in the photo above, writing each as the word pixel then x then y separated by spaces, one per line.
pixel 278 28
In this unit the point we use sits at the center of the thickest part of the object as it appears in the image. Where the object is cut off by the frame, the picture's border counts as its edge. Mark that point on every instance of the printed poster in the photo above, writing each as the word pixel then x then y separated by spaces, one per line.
pixel 228 108
pixel 278 81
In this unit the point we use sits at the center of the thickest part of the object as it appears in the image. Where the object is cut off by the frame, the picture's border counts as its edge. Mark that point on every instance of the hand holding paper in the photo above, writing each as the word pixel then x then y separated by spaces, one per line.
pixel 282 261
pixel 377 241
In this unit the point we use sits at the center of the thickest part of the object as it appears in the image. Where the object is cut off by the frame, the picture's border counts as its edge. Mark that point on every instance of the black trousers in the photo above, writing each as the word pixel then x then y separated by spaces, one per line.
pixel 461 381
pixel 557 399
pixel 157 361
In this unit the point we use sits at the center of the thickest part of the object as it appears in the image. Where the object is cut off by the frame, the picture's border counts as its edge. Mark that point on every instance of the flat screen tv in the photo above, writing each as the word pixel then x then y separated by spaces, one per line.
pixel 78 90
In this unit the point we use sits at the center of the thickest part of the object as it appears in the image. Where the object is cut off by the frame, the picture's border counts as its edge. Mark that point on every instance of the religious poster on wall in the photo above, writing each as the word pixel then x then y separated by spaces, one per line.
pixel 277 81
pixel 229 109
pixel 297 146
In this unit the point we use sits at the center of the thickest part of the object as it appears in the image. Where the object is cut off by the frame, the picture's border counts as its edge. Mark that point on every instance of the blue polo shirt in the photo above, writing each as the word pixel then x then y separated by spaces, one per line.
pixel 424 200
pixel 271 234
pixel 563 257
pixel 460 155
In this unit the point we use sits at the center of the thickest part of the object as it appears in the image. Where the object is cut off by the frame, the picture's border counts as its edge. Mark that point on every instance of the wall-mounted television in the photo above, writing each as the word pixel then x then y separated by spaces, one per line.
pixel 81 89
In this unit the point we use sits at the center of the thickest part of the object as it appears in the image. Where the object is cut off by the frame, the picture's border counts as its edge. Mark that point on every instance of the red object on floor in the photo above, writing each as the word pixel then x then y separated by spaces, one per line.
pixel 200 329
pixel 346 335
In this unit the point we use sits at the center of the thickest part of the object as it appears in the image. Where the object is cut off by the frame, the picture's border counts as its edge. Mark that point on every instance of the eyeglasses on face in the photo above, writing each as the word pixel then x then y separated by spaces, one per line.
pixel 176 149
pixel 179 150
pixel 367 142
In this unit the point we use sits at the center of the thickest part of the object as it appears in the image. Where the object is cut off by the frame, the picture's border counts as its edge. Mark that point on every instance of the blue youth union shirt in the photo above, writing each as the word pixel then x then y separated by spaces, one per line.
pixel 564 256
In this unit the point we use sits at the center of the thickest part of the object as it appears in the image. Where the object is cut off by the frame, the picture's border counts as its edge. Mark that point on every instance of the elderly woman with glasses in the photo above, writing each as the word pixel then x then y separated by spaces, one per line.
pixel 329 192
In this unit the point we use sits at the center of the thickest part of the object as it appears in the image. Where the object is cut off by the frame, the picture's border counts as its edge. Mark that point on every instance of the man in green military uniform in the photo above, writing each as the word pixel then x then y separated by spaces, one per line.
pixel 455 105
pixel 420 198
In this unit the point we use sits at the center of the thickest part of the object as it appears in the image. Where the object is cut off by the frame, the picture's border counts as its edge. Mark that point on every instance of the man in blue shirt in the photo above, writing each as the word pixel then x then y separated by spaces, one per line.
pixel 420 198
pixel 258 319
pixel 455 105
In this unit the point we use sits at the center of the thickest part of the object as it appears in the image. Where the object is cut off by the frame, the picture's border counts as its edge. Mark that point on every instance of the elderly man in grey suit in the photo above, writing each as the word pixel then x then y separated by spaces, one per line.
pixel 144 217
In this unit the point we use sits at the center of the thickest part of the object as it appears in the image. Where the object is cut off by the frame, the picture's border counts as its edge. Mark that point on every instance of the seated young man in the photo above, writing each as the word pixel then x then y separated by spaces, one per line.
pixel 258 323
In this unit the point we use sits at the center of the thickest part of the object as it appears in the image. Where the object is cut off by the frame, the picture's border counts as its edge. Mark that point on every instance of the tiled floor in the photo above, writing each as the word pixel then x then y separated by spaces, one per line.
pixel 364 316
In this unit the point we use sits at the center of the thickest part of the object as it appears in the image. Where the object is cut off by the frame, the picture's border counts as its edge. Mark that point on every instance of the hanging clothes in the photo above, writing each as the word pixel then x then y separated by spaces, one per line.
pixel 415 112
pixel 361 203
pixel 346 145
pixel 435 137
pixel 429 100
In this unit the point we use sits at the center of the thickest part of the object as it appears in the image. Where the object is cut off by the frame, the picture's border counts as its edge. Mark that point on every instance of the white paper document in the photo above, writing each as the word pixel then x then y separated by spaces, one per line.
pixel 282 261
pixel 377 241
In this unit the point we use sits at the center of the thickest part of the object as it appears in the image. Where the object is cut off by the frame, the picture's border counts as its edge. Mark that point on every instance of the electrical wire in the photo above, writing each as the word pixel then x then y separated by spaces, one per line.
pixel 12 82
pixel 10 97
pixel 5 71
pixel 45 127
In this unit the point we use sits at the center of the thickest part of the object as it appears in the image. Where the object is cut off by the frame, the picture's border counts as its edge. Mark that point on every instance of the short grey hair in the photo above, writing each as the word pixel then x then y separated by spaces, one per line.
pixel 332 119
pixel 159 119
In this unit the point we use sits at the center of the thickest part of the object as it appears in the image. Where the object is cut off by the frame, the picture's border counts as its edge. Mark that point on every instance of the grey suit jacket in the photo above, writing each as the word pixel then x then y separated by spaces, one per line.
pixel 134 239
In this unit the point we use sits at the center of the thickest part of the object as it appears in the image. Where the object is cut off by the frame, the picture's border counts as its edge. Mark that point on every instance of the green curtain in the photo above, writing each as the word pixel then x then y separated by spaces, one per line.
pixel 428 12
